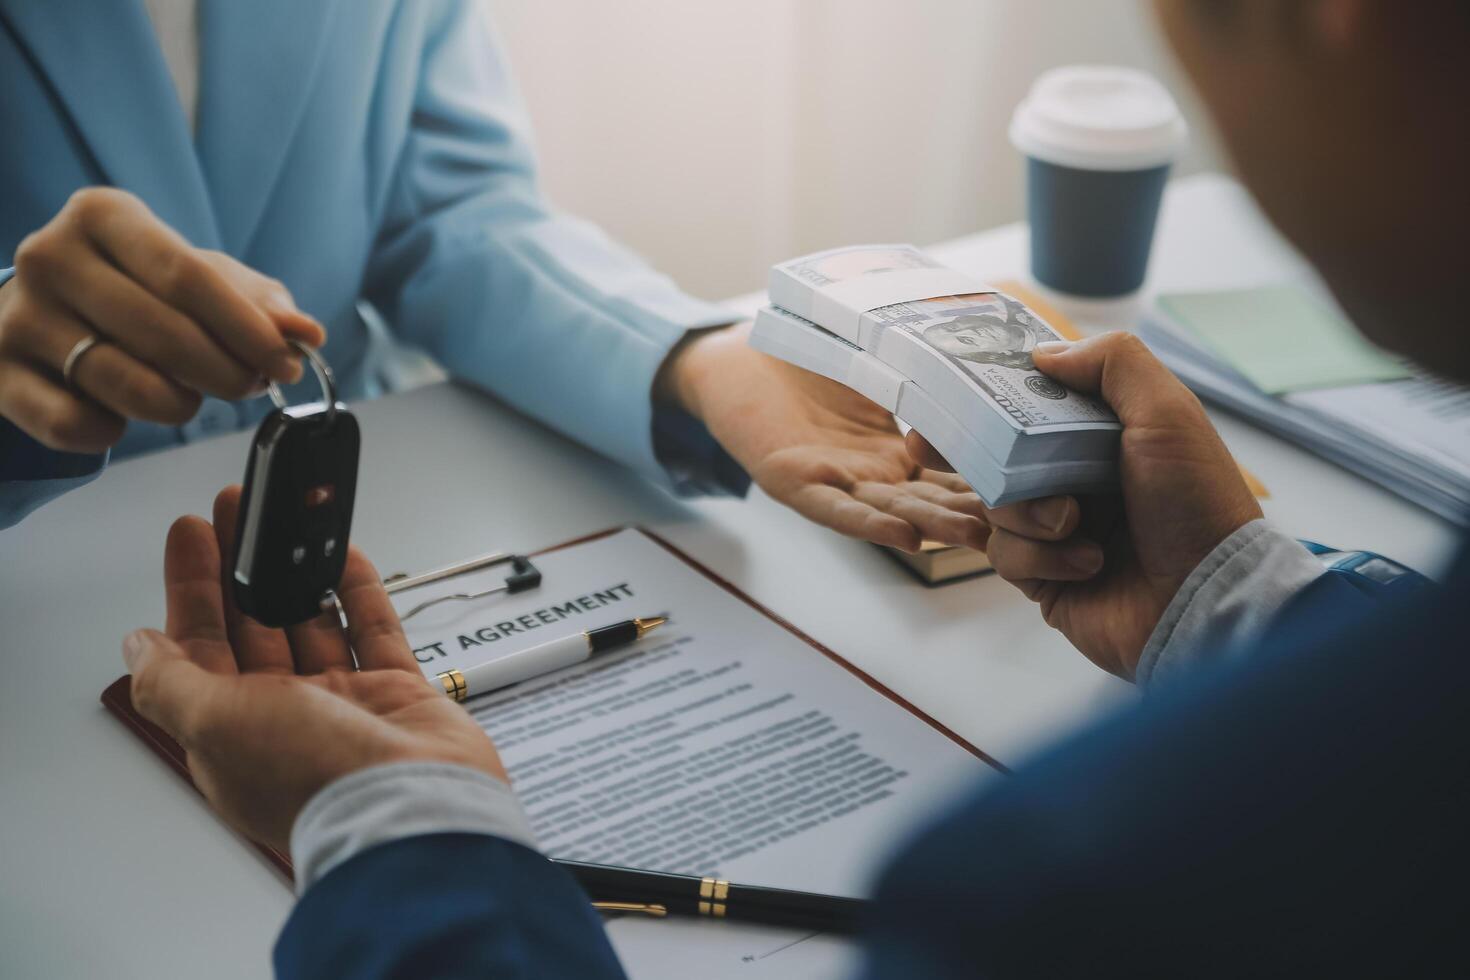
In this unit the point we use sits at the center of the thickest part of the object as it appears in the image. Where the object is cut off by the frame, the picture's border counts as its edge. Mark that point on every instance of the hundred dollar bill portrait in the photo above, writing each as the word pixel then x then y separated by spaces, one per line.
pixel 1005 337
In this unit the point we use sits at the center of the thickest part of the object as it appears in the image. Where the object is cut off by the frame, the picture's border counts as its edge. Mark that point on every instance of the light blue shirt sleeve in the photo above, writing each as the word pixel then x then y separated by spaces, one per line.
pixel 538 307
pixel 1227 600
pixel 385 803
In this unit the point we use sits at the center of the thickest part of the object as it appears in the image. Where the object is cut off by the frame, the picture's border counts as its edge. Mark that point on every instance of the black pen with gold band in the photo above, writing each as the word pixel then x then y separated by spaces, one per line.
pixel 659 893
pixel 544 658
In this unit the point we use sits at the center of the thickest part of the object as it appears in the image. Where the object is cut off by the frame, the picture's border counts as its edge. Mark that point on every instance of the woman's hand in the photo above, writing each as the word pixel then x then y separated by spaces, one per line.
pixel 175 322
pixel 819 447
pixel 269 717
pixel 1104 570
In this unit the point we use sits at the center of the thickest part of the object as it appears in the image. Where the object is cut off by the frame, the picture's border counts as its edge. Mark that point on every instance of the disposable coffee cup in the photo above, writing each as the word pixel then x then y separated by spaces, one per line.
pixel 1099 142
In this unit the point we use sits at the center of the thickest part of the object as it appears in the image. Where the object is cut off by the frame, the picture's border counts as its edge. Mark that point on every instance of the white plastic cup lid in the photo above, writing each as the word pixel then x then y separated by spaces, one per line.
pixel 1099 117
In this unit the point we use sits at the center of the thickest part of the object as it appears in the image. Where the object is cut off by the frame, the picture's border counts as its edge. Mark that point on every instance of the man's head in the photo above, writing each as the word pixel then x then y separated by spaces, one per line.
pixel 1348 120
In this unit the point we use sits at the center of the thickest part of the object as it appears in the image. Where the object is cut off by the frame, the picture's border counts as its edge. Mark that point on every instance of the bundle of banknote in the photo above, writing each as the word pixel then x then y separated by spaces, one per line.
pixel 948 356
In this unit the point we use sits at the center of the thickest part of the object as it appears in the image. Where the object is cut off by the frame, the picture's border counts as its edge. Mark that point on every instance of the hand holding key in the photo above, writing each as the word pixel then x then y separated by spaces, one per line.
pixel 112 315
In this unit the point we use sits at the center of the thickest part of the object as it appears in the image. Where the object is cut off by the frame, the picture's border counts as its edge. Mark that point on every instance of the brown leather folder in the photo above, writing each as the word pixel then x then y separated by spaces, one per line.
pixel 117 697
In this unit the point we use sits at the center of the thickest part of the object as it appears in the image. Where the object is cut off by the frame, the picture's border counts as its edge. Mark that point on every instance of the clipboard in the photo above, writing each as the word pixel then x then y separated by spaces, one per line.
pixel 117 697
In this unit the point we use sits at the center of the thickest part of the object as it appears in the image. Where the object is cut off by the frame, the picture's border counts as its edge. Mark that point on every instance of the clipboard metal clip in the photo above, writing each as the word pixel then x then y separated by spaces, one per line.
pixel 523 575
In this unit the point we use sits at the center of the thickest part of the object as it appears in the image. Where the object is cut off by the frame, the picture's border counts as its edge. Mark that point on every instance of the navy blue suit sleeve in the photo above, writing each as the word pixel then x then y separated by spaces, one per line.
pixel 1333 597
pixel 31 474
pixel 1300 813
pixel 445 906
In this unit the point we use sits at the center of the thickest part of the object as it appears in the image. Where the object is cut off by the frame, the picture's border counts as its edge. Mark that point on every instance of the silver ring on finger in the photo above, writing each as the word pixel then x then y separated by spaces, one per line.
pixel 74 357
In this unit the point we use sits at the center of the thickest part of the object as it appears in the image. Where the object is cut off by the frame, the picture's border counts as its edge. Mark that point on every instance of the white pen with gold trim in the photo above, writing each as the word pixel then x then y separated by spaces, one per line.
pixel 544 658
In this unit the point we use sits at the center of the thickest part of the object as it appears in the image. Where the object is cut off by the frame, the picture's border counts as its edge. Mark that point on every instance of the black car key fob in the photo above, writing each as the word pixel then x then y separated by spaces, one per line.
pixel 296 509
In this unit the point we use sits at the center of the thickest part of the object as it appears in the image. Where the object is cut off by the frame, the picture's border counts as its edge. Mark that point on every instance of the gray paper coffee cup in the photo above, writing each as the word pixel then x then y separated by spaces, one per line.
pixel 1099 142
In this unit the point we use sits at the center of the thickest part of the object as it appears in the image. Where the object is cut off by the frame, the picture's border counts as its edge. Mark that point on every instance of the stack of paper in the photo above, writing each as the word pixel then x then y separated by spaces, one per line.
pixel 1287 361
pixel 949 356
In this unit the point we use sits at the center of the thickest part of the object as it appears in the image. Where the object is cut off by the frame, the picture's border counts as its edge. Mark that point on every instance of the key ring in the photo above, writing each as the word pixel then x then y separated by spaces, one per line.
pixel 324 377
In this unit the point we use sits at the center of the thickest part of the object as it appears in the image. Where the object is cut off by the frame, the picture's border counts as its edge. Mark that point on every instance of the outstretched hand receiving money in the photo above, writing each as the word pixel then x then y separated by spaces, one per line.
pixel 819 447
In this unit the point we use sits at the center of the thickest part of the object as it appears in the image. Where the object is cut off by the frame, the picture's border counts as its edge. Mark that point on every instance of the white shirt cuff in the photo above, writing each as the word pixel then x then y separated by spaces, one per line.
pixel 1229 598
pixel 385 803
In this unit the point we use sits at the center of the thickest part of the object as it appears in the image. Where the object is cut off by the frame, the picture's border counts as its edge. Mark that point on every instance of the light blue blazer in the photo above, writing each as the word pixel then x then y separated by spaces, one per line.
pixel 357 150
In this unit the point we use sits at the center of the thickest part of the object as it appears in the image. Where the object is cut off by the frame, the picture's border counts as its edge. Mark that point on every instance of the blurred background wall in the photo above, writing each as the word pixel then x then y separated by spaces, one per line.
pixel 718 136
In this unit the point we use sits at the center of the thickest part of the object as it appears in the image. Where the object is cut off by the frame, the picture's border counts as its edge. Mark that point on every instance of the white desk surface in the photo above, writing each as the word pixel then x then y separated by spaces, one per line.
pixel 110 866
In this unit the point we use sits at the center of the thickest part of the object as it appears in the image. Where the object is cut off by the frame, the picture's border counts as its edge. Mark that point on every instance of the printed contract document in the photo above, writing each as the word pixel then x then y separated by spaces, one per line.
pixel 722 745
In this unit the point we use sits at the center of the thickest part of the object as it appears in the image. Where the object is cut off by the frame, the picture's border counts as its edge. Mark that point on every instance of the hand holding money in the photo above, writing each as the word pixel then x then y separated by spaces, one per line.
pixel 949 356
pixel 1104 569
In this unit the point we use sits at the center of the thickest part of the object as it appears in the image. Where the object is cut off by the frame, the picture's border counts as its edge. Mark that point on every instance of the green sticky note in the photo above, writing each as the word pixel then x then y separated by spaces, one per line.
pixel 1281 338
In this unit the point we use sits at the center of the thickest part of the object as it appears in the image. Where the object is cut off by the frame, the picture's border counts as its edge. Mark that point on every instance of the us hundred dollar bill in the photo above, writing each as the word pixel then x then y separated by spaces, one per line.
pixel 988 339
pixel 999 463
pixel 966 349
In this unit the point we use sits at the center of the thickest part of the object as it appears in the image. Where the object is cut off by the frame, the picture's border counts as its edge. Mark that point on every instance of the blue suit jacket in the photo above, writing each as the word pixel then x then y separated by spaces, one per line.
pixel 354 149
pixel 1304 813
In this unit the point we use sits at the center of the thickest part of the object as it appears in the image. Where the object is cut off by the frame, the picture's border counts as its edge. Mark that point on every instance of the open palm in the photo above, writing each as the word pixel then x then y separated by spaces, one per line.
pixel 268 717
pixel 824 450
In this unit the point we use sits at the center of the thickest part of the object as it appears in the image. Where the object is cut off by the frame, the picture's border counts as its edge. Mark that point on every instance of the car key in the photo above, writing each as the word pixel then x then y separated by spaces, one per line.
pixel 296 509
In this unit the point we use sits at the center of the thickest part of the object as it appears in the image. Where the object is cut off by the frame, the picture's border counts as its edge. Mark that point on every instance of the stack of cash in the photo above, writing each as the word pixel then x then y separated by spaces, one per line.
pixel 948 356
